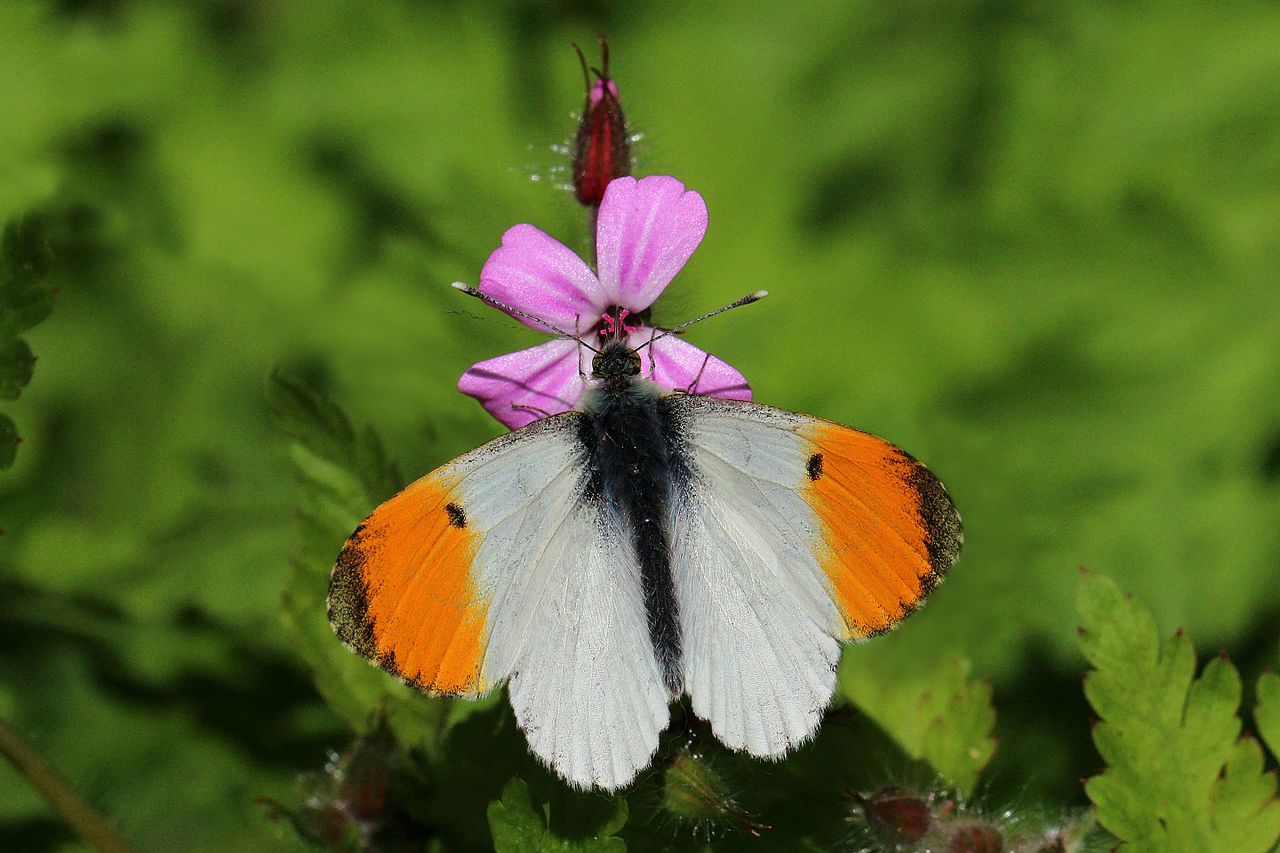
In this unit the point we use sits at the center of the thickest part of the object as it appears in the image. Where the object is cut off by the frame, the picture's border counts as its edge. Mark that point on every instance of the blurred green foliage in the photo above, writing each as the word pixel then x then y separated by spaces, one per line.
pixel 1036 245
pixel 25 301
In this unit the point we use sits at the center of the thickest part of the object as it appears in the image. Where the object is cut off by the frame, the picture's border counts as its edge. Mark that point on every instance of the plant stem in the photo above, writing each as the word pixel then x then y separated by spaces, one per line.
pixel 61 796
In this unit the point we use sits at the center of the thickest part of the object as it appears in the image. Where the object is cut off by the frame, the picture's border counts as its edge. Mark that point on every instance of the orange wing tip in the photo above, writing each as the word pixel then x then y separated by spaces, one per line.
pixel 943 536
pixel 414 613
pixel 891 530
pixel 348 600
pixel 943 527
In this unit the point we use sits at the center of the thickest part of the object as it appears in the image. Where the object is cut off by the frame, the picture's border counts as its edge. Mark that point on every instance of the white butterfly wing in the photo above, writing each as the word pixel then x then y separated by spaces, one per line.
pixel 756 619
pixel 588 690
pixel 792 534
pixel 493 568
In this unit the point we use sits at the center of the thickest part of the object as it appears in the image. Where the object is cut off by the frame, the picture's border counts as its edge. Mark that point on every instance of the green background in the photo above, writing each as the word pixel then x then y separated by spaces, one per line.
pixel 1038 245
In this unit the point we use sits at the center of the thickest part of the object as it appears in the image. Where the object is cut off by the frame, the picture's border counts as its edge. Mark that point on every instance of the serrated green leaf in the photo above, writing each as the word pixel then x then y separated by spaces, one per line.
pixel 318 424
pixel 330 457
pixel 1245 798
pixel 311 418
pixel 1267 712
pixel 1178 778
pixel 514 824
pixel 938 714
pixel 518 826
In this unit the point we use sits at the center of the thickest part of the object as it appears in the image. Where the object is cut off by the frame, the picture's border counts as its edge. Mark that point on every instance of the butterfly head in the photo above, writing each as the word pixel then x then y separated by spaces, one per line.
pixel 617 363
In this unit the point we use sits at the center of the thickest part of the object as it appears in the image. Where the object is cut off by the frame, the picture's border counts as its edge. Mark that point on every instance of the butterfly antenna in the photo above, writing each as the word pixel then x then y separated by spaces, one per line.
pixel 489 300
pixel 746 300
pixel 586 73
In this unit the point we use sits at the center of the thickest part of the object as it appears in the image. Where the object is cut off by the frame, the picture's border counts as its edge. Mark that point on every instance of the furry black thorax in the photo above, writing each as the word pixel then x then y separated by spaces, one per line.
pixel 637 463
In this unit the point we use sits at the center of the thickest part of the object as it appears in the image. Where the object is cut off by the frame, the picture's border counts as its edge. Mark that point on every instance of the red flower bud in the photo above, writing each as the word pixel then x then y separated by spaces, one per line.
pixel 975 838
pixel 901 816
pixel 601 149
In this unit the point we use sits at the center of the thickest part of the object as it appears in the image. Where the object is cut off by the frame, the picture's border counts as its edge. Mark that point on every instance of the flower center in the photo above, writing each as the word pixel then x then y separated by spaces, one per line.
pixel 613 324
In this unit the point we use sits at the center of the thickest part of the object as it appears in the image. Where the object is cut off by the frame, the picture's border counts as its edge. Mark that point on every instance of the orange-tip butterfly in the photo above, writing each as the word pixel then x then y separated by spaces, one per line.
pixel 605 561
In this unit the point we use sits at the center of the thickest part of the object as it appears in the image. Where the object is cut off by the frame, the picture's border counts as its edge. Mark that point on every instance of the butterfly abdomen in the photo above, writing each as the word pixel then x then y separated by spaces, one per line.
pixel 636 463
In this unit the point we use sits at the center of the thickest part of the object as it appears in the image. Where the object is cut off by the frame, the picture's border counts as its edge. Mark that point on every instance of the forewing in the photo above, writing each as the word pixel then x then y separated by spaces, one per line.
pixel 890 531
pixel 495 567
pixel 415 587
pixel 791 534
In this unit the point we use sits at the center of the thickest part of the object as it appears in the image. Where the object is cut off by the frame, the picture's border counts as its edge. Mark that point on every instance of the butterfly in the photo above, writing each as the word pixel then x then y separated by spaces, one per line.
pixel 609 560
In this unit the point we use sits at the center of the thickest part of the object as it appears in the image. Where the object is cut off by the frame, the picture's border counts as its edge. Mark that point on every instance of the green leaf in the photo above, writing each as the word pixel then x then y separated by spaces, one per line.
pixel 518 826
pixel 1267 712
pixel 343 473
pixel 935 713
pixel 319 425
pixel 1178 776
pixel 311 418
pixel 25 260
pixel 1246 809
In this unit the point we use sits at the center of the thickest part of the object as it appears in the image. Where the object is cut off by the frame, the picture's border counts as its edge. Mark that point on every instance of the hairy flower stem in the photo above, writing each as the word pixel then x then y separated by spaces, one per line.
pixel 61 796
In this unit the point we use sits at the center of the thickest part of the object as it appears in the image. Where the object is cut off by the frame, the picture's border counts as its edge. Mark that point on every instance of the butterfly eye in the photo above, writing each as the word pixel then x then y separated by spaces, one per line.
pixel 597 364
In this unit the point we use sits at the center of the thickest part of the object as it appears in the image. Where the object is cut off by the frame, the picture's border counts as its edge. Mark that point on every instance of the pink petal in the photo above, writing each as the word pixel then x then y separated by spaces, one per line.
pixel 543 378
pixel 683 367
pixel 539 275
pixel 598 89
pixel 645 232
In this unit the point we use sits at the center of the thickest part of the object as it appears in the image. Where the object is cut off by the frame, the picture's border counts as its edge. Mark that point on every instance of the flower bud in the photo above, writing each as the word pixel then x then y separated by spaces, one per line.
pixel 364 780
pixel 318 821
pixel 694 793
pixel 899 815
pixel 975 838
pixel 601 149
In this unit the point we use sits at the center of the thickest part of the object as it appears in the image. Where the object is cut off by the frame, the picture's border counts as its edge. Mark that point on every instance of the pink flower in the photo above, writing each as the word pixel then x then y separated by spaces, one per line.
pixel 645 232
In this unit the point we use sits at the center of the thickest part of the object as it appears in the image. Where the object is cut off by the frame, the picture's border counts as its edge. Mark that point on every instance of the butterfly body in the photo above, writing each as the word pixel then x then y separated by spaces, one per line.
pixel 636 466
pixel 604 561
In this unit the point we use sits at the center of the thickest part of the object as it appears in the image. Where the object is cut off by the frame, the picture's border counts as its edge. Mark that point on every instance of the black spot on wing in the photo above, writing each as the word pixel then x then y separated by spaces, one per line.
pixel 457 517
pixel 814 466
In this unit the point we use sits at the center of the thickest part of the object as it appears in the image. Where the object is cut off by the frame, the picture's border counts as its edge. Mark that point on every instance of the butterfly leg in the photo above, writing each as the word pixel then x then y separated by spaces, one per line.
pixel 653 364
pixel 693 386
pixel 521 407
pixel 577 336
